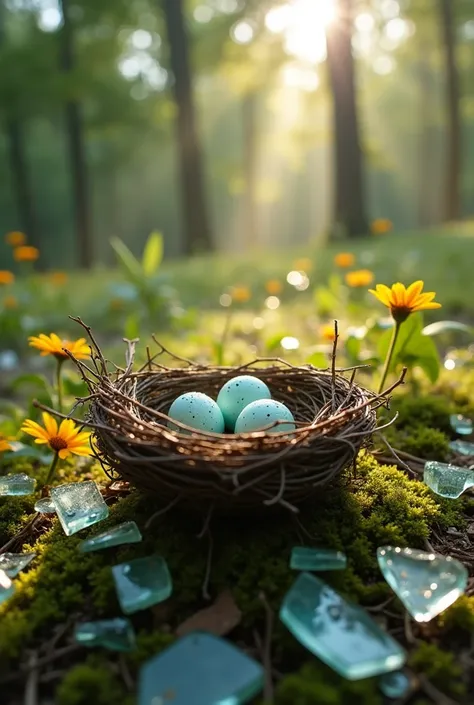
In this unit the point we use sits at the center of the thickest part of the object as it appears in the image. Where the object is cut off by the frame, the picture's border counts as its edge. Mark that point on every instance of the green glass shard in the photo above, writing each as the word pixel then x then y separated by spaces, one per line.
pixel 13 563
pixel 461 424
pixel 45 506
pixel 200 669
pixel 128 532
pixel 447 480
pixel 340 633
pixel 462 447
pixel 142 583
pixel 394 685
pixel 316 559
pixel 7 588
pixel 115 634
pixel 16 485
pixel 78 505
pixel 426 583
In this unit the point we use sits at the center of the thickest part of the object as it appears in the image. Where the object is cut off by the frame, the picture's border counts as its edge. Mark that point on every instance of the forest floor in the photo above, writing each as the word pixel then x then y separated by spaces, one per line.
pixel 377 503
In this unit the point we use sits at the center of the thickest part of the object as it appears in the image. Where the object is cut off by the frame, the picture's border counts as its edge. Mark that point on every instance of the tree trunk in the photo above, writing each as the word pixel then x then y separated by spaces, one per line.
pixel 349 206
pixel 198 235
pixel 453 149
pixel 75 135
pixel 250 169
pixel 426 141
pixel 15 138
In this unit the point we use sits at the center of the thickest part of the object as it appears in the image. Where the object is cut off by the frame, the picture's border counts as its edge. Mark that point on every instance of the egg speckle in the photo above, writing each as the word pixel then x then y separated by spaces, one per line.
pixel 198 411
pixel 262 413
pixel 238 393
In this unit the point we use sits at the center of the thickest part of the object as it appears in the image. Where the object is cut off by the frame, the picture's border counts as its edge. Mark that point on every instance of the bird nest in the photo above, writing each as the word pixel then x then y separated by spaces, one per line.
pixel 335 418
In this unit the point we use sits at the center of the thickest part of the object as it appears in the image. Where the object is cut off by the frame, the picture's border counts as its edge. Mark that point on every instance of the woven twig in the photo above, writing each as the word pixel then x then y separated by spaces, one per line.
pixel 335 417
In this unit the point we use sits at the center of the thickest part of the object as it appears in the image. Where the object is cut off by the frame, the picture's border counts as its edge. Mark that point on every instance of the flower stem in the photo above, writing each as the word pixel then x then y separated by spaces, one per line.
pixel 59 385
pixel 388 359
pixel 52 469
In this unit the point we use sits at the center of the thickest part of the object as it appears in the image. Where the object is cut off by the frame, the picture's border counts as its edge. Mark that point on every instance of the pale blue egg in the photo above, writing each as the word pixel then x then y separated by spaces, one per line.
pixel 263 412
pixel 238 393
pixel 198 411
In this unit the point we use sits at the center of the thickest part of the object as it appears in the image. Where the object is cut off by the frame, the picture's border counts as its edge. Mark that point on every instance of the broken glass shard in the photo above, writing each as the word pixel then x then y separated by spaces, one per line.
pixel 461 424
pixel 45 506
pixel 447 480
pixel 462 447
pixel 128 532
pixel 315 559
pixel 78 505
pixel 142 583
pixel 340 633
pixel 394 685
pixel 426 583
pixel 16 485
pixel 7 588
pixel 115 634
pixel 13 563
pixel 200 669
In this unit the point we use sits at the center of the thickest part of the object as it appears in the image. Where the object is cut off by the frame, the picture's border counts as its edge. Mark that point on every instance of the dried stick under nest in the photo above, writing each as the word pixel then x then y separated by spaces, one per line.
pixel 335 417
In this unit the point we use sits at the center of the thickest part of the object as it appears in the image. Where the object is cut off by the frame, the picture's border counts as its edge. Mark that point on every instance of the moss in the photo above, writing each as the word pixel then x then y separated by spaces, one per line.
pixel 91 682
pixel 315 683
pixel 421 441
pixel 440 667
pixel 459 617
pixel 428 411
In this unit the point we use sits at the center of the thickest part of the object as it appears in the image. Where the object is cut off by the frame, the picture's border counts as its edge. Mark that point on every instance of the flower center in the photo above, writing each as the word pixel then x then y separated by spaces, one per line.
pixel 57 443
pixel 400 313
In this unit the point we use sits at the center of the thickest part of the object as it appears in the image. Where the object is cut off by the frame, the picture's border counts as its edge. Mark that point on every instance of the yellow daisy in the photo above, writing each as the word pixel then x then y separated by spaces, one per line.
pixel 63 440
pixel 53 345
pixel 26 253
pixel 403 300
pixel 4 444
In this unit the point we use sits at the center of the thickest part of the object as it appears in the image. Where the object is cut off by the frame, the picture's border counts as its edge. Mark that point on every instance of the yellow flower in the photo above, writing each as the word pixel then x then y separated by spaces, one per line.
pixel 241 294
pixel 403 300
pixel 4 444
pixel 58 278
pixel 344 259
pixel 26 253
pixel 361 277
pixel 273 287
pixel 10 302
pixel 15 238
pixel 327 332
pixel 303 265
pixel 381 226
pixel 53 345
pixel 64 440
pixel 6 277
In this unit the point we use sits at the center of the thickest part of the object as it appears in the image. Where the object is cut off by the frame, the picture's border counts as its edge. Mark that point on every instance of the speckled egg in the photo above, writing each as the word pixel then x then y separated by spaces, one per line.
pixel 238 393
pixel 198 411
pixel 263 412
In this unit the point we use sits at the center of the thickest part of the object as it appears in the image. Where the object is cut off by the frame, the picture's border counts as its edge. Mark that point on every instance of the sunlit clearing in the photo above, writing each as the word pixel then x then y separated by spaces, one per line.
pixel 449 364
pixel 290 343
pixel 303 23
pixel 272 302
pixel 295 278
pixel 303 78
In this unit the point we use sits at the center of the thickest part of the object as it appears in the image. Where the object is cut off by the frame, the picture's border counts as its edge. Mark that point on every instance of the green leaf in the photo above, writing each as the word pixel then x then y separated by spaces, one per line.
pixel 21 450
pixel 445 327
pixel 75 387
pixel 353 345
pixel 152 254
pixel 325 301
pixel 413 349
pixel 30 379
pixel 319 360
pixel 128 261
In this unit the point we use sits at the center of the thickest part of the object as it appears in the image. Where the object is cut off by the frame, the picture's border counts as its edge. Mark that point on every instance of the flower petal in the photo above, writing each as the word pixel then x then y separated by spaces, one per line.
pixel 50 424
pixel 63 453
pixel 414 290
pixel 398 294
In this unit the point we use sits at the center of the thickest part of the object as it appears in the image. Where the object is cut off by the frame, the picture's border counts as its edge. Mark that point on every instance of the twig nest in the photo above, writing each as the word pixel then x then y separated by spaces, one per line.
pixel 137 439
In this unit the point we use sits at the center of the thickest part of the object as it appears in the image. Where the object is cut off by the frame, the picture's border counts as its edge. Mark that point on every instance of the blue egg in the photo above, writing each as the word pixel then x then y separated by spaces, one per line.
pixel 263 412
pixel 238 393
pixel 198 411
